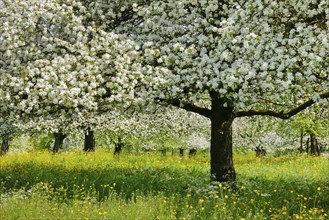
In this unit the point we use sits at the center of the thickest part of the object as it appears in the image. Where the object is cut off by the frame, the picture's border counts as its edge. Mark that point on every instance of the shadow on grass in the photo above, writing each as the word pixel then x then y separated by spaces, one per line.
pixel 123 181
pixel 129 182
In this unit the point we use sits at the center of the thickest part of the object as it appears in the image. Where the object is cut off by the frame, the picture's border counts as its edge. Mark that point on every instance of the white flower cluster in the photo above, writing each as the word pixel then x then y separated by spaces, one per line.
pixel 53 62
pixel 248 52
pixel 65 62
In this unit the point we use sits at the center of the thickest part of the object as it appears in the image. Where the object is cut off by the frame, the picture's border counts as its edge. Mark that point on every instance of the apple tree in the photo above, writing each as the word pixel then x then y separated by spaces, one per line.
pixel 226 59
pixel 57 65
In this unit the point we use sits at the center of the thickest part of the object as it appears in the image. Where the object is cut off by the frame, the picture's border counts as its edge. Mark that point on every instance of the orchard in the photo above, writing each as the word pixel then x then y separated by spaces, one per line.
pixel 68 62
pixel 127 67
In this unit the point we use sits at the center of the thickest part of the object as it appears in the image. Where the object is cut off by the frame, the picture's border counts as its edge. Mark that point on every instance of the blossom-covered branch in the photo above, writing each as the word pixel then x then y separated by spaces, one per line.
pixel 282 115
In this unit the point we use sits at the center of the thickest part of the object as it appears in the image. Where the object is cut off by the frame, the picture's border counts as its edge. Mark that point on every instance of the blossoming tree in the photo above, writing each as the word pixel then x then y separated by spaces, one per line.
pixel 226 59
pixel 55 63
pixel 170 127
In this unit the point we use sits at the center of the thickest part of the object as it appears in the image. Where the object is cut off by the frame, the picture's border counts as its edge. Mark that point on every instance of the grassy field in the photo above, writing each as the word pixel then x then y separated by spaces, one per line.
pixel 74 185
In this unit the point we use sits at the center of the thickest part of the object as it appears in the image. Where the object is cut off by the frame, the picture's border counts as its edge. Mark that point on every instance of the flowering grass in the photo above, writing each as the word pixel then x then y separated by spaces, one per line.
pixel 99 185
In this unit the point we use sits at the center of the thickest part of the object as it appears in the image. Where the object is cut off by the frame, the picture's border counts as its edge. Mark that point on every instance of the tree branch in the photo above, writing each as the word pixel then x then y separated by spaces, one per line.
pixel 282 115
pixel 192 108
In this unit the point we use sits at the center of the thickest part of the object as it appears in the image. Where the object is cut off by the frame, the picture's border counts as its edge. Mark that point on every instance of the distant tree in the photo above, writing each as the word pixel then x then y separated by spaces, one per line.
pixel 55 65
pixel 7 133
pixel 315 124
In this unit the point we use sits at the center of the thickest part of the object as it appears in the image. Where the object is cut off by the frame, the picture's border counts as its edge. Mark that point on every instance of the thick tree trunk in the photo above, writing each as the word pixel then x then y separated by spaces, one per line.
pixel 118 147
pixel 89 141
pixel 221 153
pixel 59 139
pixel 4 147
pixel 314 145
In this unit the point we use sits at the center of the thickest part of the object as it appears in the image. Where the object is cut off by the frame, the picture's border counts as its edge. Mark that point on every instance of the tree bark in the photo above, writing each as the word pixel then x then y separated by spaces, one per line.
pixel 307 145
pixel 192 152
pixel 221 153
pixel 301 141
pixel 89 141
pixel 163 152
pixel 260 152
pixel 314 145
pixel 59 139
pixel 181 152
pixel 118 146
pixel 4 146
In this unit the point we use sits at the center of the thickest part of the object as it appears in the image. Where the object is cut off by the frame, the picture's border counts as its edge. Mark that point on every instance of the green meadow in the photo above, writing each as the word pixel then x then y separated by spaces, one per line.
pixel 98 185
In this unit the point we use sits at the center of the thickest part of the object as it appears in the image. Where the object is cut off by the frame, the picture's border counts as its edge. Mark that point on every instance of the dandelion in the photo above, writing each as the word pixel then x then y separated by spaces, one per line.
pixel 297 216
pixel 319 188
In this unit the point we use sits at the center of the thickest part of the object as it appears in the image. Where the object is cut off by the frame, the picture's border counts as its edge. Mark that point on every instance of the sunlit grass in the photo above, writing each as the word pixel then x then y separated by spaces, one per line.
pixel 99 185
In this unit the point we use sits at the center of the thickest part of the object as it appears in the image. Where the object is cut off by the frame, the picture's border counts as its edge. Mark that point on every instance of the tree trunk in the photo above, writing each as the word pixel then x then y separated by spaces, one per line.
pixel 221 153
pixel 307 145
pixel 4 146
pixel 260 152
pixel 163 152
pixel 118 147
pixel 301 142
pixel 181 152
pixel 89 141
pixel 192 152
pixel 59 139
pixel 314 145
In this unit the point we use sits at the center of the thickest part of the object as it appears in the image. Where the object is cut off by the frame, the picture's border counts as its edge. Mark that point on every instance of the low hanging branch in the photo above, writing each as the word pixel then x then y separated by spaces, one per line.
pixel 193 108
pixel 282 115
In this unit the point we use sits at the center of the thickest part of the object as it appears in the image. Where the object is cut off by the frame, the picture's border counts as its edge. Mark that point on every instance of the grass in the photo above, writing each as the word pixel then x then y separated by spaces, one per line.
pixel 74 185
